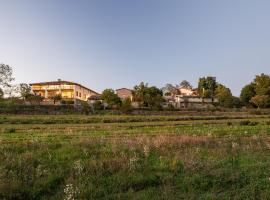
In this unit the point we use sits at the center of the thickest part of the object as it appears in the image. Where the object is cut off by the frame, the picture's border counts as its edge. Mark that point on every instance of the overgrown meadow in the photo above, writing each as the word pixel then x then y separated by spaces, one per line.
pixel 210 156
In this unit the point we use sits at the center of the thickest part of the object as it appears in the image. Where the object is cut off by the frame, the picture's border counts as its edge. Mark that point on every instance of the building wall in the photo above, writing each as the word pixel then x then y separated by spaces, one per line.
pixel 186 92
pixel 124 93
pixel 82 93
pixel 66 91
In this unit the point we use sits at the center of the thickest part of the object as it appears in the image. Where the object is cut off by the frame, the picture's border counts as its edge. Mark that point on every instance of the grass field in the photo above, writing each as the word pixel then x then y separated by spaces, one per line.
pixel 184 156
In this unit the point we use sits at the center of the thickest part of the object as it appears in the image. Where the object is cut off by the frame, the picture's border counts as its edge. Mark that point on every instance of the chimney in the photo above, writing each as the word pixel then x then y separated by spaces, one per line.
pixel 59 80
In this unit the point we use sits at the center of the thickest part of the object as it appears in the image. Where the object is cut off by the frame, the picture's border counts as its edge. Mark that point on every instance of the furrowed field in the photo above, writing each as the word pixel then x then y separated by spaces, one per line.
pixel 218 155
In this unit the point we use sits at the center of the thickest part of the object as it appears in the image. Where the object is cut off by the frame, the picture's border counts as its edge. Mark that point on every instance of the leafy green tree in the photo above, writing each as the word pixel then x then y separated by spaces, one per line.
pixel 56 98
pixel 109 97
pixel 261 101
pixel 5 75
pixel 185 84
pixel 247 93
pixel 139 92
pixel 24 90
pixel 262 84
pixel 34 99
pixel 207 87
pixel 126 106
pixel 148 96
pixel 98 106
pixel 224 96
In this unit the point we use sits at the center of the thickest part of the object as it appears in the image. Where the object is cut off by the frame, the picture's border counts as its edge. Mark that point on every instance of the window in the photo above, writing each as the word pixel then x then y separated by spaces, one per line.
pixel 80 94
pixel 76 94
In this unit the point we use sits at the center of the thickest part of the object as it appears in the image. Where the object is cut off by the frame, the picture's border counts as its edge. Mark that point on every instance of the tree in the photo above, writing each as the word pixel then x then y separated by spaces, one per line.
pixel 55 98
pixel 148 96
pixel 207 87
pixel 1 93
pixel 5 75
pixel 170 90
pixel 224 95
pixel 261 101
pixel 185 84
pixel 34 99
pixel 262 84
pixel 24 90
pixel 139 92
pixel 126 106
pixel 109 97
pixel 247 93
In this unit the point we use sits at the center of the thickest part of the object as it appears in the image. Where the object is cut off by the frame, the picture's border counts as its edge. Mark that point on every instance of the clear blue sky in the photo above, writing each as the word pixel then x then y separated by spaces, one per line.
pixel 119 43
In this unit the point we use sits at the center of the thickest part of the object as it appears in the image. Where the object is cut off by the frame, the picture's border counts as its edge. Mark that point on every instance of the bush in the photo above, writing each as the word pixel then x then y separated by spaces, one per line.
pixel 229 123
pixel 98 105
pixel 248 123
pixel 126 106
pixel 9 130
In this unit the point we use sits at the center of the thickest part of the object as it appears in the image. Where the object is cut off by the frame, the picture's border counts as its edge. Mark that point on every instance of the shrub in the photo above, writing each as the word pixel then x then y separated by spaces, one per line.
pixel 98 105
pixel 229 123
pixel 9 130
pixel 126 106
pixel 248 123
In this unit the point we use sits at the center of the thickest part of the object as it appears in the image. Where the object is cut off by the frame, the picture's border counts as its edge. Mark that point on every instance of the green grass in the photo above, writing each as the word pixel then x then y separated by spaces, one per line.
pixel 135 157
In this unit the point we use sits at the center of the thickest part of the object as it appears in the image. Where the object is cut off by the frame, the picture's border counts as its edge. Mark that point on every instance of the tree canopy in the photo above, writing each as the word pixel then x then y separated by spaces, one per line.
pixel 24 90
pixel 109 97
pixel 148 96
pixel 247 93
pixel 257 92
pixel 170 90
pixel 185 84
pixel 5 75
pixel 207 86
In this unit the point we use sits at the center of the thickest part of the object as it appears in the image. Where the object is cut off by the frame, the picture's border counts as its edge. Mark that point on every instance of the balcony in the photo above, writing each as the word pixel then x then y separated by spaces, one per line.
pixel 53 87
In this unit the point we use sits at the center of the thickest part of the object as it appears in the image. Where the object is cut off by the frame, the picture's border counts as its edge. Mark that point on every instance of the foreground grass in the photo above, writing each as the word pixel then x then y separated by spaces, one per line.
pixel 150 159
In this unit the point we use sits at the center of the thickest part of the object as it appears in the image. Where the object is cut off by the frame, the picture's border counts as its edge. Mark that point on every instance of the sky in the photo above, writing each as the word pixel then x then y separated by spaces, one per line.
pixel 119 43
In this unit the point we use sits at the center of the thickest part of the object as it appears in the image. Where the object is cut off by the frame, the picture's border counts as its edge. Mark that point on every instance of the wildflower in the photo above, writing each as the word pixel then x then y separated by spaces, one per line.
pixel 146 150
pixel 70 192
pixel 78 166
pixel 234 145
pixel 132 161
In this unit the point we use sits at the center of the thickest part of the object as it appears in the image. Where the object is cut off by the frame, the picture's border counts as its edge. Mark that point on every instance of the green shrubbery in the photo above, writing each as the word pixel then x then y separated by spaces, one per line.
pixel 248 123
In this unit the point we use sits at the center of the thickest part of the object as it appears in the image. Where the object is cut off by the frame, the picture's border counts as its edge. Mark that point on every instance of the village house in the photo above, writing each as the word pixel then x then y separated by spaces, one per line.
pixel 69 91
pixel 187 91
pixel 124 93
pixel 189 98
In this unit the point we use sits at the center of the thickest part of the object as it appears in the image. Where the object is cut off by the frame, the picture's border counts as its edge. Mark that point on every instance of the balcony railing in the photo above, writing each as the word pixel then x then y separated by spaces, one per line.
pixel 54 87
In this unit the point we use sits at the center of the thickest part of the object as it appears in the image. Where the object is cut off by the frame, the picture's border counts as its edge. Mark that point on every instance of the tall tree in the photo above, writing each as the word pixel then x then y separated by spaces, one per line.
pixel 225 97
pixel 185 84
pixel 262 84
pixel 56 98
pixel 148 96
pixel 207 86
pixel 109 97
pixel 5 75
pixel 24 90
pixel 247 93
pixel 170 90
